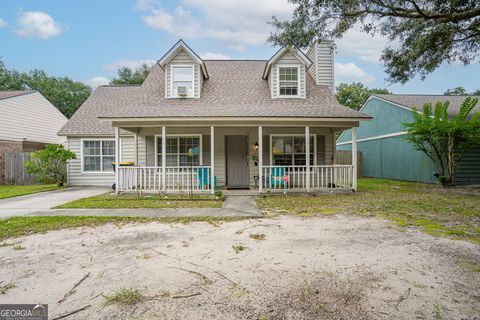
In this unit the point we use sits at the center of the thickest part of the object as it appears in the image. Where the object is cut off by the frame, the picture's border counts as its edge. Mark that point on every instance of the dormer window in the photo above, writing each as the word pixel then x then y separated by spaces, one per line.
pixel 288 79
pixel 182 81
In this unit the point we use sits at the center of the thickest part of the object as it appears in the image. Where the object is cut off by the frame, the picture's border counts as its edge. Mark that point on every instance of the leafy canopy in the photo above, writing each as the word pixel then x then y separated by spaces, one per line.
pixel 355 94
pixel 49 164
pixel 461 91
pixel 428 32
pixel 444 140
pixel 64 93
pixel 126 75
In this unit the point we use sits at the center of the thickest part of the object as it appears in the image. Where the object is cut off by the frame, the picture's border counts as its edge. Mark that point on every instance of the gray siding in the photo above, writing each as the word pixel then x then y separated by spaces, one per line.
pixel 182 58
pixel 287 58
pixel 75 175
pixel 146 156
pixel 30 117
pixel 322 69
pixel 312 55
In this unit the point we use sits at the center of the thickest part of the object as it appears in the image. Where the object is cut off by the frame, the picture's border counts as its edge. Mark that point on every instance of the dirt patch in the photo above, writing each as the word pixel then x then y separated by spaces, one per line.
pixel 333 267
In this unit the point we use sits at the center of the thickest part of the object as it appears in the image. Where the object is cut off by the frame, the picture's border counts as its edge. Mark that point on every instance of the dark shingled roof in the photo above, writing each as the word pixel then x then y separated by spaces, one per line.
pixel 11 94
pixel 235 89
pixel 418 100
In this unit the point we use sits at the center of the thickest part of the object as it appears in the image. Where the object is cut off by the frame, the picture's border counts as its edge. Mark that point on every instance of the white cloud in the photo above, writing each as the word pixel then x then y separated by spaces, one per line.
pixel 350 72
pixel 214 56
pixel 132 64
pixel 3 23
pixel 362 45
pixel 97 81
pixel 147 4
pixel 38 25
pixel 233 23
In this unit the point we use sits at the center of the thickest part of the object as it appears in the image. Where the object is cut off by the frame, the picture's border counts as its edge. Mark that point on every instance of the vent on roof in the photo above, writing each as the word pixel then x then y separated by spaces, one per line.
pixel 182 91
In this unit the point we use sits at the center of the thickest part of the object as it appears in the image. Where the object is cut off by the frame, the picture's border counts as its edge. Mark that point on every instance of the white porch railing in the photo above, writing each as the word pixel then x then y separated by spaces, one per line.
pixel 198 178
pixel 281 178
pixel 177 179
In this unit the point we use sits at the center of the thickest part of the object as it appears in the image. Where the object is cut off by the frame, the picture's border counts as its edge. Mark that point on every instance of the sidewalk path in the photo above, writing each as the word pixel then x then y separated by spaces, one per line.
pixel 234 206
pixel 31 203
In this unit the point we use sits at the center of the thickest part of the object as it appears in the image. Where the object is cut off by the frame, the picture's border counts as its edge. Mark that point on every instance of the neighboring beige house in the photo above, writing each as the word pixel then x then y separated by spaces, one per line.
pixel 195 124
pixel 28 121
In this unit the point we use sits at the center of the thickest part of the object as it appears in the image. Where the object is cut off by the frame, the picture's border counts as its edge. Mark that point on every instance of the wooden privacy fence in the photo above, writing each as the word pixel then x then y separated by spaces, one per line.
pixel 15 172
pixel 345 157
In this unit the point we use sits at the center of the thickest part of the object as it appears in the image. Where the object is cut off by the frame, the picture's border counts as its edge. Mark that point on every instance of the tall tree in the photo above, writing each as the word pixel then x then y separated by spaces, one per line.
pixel 128 75
pixel 442 139
pixel 457 91
pixel 461 91
pixel 355 94
pixel 64 93
pixel 429 32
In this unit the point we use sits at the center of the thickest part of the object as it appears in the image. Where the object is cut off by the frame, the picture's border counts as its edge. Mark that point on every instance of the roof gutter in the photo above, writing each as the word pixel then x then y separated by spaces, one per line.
pixel 219 119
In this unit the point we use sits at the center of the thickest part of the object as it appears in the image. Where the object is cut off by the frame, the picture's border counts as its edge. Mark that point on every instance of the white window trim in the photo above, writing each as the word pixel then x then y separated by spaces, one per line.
pixel 314 135
pixel 175 136
pixel 101 161
pixel 172 89
pixel 298 80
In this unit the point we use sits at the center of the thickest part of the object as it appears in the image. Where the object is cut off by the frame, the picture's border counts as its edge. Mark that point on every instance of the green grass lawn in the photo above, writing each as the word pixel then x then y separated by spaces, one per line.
pixel 22 226
pixel 109 201
pixel 15 191
pixel 453 212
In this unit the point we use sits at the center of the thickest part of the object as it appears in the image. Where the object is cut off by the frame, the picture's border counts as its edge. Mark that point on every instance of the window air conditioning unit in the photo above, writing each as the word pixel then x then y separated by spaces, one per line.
pixel 182 91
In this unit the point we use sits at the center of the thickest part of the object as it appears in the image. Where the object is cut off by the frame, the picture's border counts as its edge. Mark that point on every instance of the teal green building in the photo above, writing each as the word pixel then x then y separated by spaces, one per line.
pixel 385 153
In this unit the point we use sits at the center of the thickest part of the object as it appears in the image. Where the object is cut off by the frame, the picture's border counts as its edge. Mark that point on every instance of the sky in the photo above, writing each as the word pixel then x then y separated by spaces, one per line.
pixel 88 40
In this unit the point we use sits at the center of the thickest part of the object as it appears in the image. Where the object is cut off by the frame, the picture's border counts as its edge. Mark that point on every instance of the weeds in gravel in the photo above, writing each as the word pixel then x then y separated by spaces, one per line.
pixel 239 248
pixel 437 311
pixel 7 286
pixel 164 293
pixel 18 246
pixel 452 213
pixel 126 296
pixel 22 226
pixel 470 266
pixel 324 296
pixel 257 236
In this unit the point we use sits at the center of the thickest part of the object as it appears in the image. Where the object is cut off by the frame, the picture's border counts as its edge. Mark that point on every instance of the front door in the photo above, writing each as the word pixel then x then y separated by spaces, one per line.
pixel 236 161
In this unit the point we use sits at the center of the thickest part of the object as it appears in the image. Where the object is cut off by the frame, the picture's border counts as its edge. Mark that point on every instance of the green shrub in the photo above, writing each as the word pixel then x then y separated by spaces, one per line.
pixel 49 165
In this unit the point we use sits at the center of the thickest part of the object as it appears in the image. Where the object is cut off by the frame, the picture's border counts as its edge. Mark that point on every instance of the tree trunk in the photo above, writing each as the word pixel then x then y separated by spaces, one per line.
pixel 451 161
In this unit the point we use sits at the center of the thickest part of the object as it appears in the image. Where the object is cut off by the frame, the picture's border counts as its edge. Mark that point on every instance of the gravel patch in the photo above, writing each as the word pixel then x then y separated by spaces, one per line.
pixel 328 267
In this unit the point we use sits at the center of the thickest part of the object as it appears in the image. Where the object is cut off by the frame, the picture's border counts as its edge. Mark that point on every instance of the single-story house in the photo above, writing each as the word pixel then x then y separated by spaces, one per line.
pixel 199 124
pixel 28 121
pixel 385 152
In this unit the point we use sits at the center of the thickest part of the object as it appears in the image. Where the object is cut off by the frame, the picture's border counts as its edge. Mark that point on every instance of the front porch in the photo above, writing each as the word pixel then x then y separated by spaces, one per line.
pixel 260 158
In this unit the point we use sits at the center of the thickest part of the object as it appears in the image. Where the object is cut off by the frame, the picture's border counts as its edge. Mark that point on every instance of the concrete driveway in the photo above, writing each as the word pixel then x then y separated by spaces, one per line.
pixel 32 203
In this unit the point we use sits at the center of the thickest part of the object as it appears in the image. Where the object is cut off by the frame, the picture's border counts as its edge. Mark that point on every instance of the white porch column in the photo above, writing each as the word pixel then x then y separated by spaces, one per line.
pixel 307 157
pixel 212 159
pixel 135 146
pixel 354 158
pixel 260 159
pixel 164 158
pixel 117 159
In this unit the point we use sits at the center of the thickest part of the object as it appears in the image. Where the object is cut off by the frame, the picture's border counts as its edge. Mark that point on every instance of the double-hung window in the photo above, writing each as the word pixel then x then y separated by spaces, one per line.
pixel 288 79
pixel 178 151
pixel 98 155
pixel 182 76
pixel 291 150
